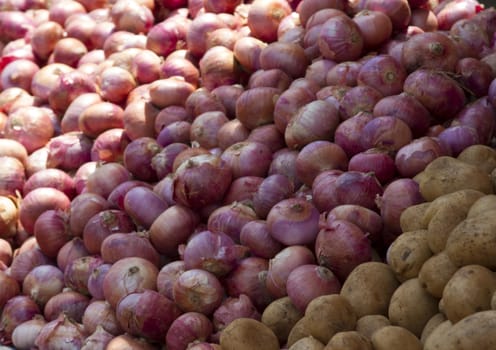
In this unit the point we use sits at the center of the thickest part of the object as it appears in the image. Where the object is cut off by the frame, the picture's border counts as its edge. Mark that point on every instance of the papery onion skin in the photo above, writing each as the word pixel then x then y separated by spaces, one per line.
pixel 129 275
pixel 24 335
pixel 97 340
pixel 197 290
pixel 99 313
pixel 59 332
pixel 293 221
pixel 147 314
pixel 187 329
pixel 43 282
pixel 341 246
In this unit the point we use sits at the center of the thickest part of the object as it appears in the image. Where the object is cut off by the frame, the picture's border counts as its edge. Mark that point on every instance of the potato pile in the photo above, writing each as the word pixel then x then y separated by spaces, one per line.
pixel 435 291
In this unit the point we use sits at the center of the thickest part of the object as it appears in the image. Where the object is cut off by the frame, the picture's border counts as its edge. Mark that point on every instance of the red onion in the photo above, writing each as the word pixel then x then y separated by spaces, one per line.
pixel 316 120
pixel 69 151
pixel 475 75
pixel 273 189
pixel 67 87
pixel 288 103
pixel 95 281
pixel 230 219
pixel 71 250
pixel 269 135
pixel 341 246
pixel 386 132
pixel 146 314
pixel 383 73
pixel 318 156
pixel 99 313
pixel 81 175
pixel 106 177
pixel 138 155
pixel 52 177
pixel 242 190
pixel 109 145
pixel 172 228
pixel 263 99
pixel 358 99
pixel 24 335
pixel 82 208
pixel 97 340
pixel 10 289
pixel 168 275
pixel 256 236
pixel 205 127
pixel 51 230
pixel 214 252
pixel 376 27
pixel 323 199
pixel 135 244
pixel 432 88
pixel 198 290
pixel 19 73
pixel 201 26
pixel 102 224
pixel 175 132
pixel 61 332
pixel 247 51
pixel 25 261
pixel 340 39
pixel 412 158
pixel 289 57
pixel 129 275
pixel 163 161
pixel 377 161
pixel 282 264
pixel 398 195
pixel 273 77
pixel 249 278
pixel 480 115
pixel 133 205
pixel 199 173
pixel 458 137
pixel 129 342
pixel 43 282
pixel 12 177
pixel 13 148
pixel 6 252
pixel 307 282
pixel 189 328
pixel 355 187
pixel 16 310
pixel 366 219
pixel 77 272
pixel 68 302
pixel 264 18
pixel 15 25
pixel 397 10
pixel 14 97
pixel 233 308
pixel 231 132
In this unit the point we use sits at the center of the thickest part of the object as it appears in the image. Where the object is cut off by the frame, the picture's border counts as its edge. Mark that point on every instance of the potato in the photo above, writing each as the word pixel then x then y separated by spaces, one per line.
pixel 447 174
pixel 395 337
pixel 367 325
pixel 307 343
pixel 407 254
pixel 477 331
pixel 369 287
pixel 412 307
pixel 435 273
pixel 324 316
pixel 473 241
pixel 248 334
pixel 469 290
pixel 483 204
pixel 482 156
pixel 280 316
pixel 437 336
pixel 412 218
pixel 445 213
pixel 350 340
pixel 435 321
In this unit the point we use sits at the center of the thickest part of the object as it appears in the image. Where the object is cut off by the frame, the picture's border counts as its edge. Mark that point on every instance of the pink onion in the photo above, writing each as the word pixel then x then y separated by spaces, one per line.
pixel 361 98
pixel 24 335
pixel 73 249
pixel 233 308
pixel 117 246
pixel 480 115
pixel 458 137
pixel 82 208
pixel 264 18
pixel 52 177
pixel 78 271
pixel 11 288
pixel 68 302
pixel 340 39
pixel 386 132
pixel 61 332
pixel 12 176
pixel 341 246
pixel 230 219
pixel 99 313
pixel 412 158
pixel 168 275
pixel 97 340
pixel 383 73
pixel 377 161
pixel 187 329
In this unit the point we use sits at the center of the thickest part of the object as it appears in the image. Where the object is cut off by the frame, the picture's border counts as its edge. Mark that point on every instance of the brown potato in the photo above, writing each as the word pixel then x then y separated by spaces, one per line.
pixel 248 334
pixel 435 273
pixel 482 156
pixel 469 290
pixel 324 316
pixel 445 213
pixel 394 337
pixel 307 343
pixel 350 340
pixel 412 218
pixel 447 174
pixel 483 204
pixel 367 325
pixel 412 307
pixel 473 241
pixel 369 287
pixel 407 254
pixel 280 316
pixel 432 324
pixel 477 331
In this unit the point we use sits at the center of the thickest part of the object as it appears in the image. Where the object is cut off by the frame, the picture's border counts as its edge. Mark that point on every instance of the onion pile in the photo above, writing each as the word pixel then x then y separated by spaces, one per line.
pixel 185 163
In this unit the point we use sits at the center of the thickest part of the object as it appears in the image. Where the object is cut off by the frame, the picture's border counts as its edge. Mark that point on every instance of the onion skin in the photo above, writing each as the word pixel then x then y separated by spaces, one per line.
pixel 59 333
pixel 386 132
pixel 78 271
pixel 293 221
pixel 412 158
pixel 230 219
pixel 187 329
pixel 43 282
pixel 71 250
pixel 146 314
pixel 82 208
pixel 368 220
pixel 129 275
pixel 68 302
pixel 264 18
pixel 383 73
pixel 340 39
pixel 24 335
pixel 263 99
pixel 377 161
pixel 340 246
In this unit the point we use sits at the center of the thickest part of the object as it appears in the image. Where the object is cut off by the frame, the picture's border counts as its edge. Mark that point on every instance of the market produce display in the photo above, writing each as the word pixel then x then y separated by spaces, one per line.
pixel 238 175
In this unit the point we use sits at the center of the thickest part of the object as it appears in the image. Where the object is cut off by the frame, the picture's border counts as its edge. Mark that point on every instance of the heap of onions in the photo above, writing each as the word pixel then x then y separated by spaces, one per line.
pixel 169 166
